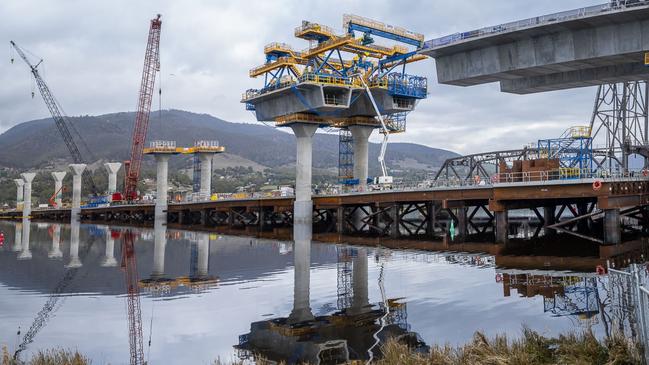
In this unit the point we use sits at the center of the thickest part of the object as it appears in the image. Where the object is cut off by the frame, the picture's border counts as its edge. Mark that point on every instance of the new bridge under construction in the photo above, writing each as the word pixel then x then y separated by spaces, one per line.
pixel 591 182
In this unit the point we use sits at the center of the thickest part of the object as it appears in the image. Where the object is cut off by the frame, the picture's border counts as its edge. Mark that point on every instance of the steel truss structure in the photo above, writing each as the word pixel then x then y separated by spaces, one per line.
pixel 619 124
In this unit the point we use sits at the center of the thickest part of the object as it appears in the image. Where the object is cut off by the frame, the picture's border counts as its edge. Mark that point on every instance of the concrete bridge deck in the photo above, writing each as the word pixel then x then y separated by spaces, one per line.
pixel 582 47
pixel 410 213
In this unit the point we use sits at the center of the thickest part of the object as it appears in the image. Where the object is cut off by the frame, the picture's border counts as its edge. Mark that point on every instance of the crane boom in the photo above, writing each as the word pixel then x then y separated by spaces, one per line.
pixel 59 118
pixel 129 264
pixel 151 66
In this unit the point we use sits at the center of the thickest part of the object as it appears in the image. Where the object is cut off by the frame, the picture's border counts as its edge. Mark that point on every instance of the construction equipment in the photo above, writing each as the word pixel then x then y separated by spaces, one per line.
pixel 151 66
pixel 384 178
pixel 61 121
pixel 52 199
pixel 129 265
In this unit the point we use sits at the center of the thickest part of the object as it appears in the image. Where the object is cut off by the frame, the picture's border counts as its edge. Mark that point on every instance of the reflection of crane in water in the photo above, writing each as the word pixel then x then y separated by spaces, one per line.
pixel 129 264
pixel 50 307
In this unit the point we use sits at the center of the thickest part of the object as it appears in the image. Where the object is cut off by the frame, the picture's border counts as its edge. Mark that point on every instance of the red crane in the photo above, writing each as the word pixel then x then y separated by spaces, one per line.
pixel 151 66
pixel 129 265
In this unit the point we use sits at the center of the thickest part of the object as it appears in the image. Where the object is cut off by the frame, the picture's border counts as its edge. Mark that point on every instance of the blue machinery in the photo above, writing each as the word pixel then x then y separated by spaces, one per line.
pixel 574 150
pixel 339 63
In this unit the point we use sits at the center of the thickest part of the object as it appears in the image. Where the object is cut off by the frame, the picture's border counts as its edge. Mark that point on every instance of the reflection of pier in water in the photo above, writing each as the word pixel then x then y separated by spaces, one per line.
pixel 354 332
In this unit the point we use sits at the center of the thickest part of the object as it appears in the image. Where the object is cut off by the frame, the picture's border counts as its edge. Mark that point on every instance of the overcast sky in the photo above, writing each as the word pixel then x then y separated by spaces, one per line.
pixel 93 52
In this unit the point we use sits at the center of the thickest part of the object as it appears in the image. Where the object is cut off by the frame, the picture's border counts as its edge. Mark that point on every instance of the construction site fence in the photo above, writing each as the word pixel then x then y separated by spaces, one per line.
pixel 631 283
pixel 563 16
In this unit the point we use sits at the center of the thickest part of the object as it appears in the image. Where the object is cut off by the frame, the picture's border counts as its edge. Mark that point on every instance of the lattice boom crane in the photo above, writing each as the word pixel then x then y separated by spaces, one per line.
pixel 62 124
pixel 151 66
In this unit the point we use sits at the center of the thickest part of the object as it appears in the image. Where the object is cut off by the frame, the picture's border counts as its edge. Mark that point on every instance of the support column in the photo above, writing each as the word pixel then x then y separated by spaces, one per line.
pixel 109 254
pixel 394 216
pixel 301 262
pixel 549 217
pixel 206 174
pixel 502 226
pixel 77 171
pixel 162 187
pixel 202 267
pixel 431 212
pixel 612 230
pixel 25 253
pixel 303 206
pixel 58 187
pixel 28 177
pixel 340 220
pixel 461 214
pixel 20 184
pixel 112 168
pixel 18 237
pixel 361 135
pixel 75 262
pixel 360 301
pixel 55 252
pixel 159 248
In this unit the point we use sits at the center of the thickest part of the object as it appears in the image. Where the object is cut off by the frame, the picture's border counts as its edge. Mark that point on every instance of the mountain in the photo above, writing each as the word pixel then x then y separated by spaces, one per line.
pixel 37 144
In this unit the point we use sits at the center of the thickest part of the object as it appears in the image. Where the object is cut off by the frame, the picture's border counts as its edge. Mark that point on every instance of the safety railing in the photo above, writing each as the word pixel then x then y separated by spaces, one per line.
pixel 315 27
pixel 567 174
pixel 281 61
pixel 325 79
pixel 324 46
pixel 278 46
pixel 370 23
pixel 532 22
pixel 253 93
pixel 161 146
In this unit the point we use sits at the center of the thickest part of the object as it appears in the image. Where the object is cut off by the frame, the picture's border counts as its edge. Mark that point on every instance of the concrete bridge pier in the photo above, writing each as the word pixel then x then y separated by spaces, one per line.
pixel 20 185
pixel 55 252
pixel 109 254
pixel 58 187
pixel 18 237
pixel 77 171
pixel 301 312
pixel 206 174
pixel 303 205
pixel 75 262
pixel 159 248
pixel 25 253
pixel 28 177
pixel 162 186
pixel 203 264
pixel 112 168
pixel 361 135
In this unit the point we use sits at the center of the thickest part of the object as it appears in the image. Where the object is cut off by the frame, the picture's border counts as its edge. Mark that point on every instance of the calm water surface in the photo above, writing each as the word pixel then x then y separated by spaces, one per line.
pixel 206 296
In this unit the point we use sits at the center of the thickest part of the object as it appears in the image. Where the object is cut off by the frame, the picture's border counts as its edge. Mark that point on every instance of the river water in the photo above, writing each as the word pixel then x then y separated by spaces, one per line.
pixel 207 296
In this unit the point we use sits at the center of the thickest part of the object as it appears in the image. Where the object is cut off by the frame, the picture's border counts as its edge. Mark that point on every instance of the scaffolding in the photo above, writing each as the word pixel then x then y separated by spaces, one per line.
pixel 574 150
pixel 346 157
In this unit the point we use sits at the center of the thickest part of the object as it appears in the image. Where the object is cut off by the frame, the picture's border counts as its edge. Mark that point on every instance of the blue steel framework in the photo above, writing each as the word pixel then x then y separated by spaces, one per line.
pixel 324 63
pixel 574 149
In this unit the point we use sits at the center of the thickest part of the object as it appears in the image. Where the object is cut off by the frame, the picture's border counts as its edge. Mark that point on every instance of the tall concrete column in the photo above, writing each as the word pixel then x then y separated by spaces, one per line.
pixel 109 253
pixel 20 185
pixel 27 193
pixel 18 237
pixel 25 253
pixel 303 206
pixel 301 312
pixel 75 261
pixel 162 186
pixel 202 267
pixel 112 168
pixel 159 248
pixel 502 226
pixel 55 252
pixel 361 135
pixel 77 171
pixel 360 301
pixel 612 227
pixel 206 174
pixel 58 185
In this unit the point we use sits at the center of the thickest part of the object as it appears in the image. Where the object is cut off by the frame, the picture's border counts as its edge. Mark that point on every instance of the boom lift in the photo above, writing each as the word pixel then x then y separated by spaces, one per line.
pixel 151 66
pixel 61 121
